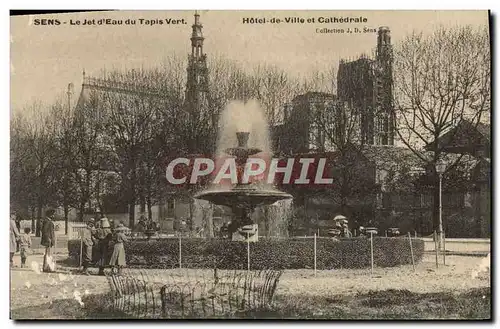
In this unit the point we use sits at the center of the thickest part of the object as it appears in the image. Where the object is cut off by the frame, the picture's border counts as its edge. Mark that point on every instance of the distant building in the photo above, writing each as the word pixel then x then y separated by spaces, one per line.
pixel 473 140
pixel 364 93
pixel 367 85
pixel 300 132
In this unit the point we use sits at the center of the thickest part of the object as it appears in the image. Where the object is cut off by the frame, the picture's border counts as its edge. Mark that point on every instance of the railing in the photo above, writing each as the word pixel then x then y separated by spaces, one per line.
pixel 133 88
pixel 191 293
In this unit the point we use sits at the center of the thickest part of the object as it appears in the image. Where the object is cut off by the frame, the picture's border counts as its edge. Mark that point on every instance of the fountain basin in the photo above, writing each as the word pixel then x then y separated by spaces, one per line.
pixel 244 197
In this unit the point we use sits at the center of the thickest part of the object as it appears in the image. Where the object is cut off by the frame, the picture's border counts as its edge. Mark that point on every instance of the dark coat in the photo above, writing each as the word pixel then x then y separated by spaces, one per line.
pixel 48 233
pixel 14 235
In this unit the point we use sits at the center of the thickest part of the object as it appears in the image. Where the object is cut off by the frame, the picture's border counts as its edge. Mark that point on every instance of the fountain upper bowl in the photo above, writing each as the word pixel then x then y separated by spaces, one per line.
pixel 244 196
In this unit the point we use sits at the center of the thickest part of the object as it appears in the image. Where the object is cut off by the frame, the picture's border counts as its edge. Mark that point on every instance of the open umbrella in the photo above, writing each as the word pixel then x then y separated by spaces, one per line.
pixel 339 218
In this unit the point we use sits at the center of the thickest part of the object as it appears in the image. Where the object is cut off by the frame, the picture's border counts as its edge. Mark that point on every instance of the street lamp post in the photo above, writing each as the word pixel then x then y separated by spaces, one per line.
pixel 440 169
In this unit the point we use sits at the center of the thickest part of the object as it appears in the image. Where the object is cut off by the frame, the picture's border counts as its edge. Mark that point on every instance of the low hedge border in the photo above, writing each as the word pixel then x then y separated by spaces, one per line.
pixel 294 253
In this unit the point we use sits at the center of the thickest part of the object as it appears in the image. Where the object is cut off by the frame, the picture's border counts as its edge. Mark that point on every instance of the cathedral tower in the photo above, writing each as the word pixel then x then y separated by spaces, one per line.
pixel 197 72
pixel 200 119
pixel 384 120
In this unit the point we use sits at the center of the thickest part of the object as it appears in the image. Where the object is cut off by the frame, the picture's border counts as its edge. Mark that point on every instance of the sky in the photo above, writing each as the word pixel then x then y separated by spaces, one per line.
pixel 45 59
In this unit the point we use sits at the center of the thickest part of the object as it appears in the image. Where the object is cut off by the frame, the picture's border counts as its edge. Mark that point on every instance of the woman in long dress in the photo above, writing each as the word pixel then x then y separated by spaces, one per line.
pixel 117 260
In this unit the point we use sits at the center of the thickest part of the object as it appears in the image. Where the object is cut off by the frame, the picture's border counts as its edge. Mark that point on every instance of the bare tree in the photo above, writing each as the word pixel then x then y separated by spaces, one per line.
pixel 91 152
pixel 22 167
pixel 440 80
pixel 132 117
pixel 65 158
pixel 35 145
pixel 274 87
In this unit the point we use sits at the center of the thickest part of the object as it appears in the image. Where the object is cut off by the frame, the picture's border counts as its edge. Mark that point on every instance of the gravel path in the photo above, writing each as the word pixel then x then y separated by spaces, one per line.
pixel 457 275
pixel 29 288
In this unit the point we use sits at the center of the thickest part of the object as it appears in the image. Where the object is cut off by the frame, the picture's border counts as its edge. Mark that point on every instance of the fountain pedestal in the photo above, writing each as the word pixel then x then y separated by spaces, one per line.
pixel 243 198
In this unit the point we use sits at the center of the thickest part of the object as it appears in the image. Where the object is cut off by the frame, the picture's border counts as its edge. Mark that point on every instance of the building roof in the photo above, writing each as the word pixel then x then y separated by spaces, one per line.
pixel 391 157
pixel 485 130
pixel 314 96
pixel 465 137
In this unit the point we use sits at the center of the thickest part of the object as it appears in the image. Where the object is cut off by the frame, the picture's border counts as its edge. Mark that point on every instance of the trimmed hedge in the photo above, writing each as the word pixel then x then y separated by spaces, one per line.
pixel 295 253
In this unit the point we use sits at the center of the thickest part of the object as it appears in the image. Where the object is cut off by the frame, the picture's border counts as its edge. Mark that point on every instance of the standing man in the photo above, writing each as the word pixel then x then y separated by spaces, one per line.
pixel 14 237
pixel 104 236
pixel 48 238
pixel 87 244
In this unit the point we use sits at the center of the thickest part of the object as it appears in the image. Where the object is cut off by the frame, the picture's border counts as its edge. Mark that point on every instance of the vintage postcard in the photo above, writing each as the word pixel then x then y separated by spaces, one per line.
pixel 250 165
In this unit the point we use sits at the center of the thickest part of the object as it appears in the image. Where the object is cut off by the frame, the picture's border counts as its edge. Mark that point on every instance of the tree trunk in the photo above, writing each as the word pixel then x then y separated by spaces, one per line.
pixel 66 212
pixel 38 221
pixel 132 196
pixel 87 189
pixel 266 221
pixel 149 205
pixel 191 214
pixel 209 221
pixel 33 221
pixel 131 214
pixel 82 210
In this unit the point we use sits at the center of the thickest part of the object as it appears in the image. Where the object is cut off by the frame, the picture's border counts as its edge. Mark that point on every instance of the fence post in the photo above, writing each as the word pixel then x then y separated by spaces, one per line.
pixel 248 252
pixel 444 248
pixel 411 251
pixel 180 250
pixel 371 249
pixel 315 253
pixel 436 248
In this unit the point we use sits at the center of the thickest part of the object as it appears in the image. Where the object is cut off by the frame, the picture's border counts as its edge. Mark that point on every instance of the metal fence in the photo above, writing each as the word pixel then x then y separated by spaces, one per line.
pixel 190 293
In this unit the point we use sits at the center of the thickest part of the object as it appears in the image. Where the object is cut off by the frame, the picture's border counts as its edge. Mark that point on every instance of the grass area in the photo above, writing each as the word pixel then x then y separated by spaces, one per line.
pixel 449 292
pixel 386 304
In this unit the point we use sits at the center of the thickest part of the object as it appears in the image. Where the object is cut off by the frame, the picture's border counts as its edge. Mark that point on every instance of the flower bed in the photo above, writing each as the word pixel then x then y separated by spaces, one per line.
pixel 294 253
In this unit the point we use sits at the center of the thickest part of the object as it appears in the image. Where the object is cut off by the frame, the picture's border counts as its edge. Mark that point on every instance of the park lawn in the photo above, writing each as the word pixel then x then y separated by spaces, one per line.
pixel 382 305
pixel 386 304
pixel 391 293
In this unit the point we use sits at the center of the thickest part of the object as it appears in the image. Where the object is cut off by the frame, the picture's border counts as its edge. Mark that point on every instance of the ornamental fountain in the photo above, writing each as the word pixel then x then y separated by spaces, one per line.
pixel 243 198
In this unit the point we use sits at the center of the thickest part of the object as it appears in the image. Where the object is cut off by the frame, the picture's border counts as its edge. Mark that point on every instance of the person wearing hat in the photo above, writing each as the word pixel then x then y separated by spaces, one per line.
pixel 87 245
pixel 117 260
pixel 104 236
pixel 48 238
pixel 14 237
pixel 346 233
pixel 362 231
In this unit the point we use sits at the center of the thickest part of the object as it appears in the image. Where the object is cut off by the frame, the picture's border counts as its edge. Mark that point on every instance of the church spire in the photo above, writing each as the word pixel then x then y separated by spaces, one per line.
pixel 197 37
pixel 196 100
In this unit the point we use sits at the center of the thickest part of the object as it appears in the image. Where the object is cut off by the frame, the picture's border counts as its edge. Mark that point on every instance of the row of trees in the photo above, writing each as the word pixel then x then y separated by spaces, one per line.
pixel 107 152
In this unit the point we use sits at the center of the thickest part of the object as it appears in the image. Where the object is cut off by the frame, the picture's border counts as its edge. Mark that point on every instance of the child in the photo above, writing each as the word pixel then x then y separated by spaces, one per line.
pixel 24 245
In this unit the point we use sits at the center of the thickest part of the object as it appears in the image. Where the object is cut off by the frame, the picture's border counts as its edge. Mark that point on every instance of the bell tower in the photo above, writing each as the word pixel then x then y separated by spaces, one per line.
pixel 197 72
pixel 198 119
